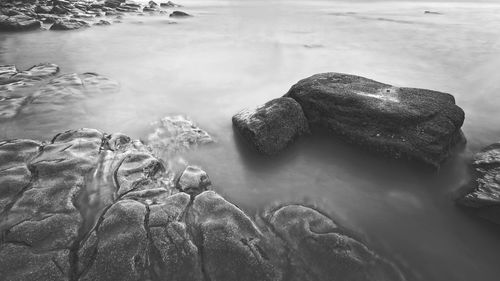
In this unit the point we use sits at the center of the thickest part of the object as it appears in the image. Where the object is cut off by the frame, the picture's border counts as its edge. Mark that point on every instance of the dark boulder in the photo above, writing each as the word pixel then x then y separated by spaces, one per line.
pixel 411 123
pixel 92 206
pixel 179 14
pixel 271 127
pixel 68 24
pixel 18 23
pixel 485 194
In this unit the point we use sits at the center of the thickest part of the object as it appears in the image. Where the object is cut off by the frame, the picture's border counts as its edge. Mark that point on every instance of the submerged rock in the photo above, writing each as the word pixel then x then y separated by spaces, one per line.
pixel 176 133
pixel 92 206
pixel 271 127
pixel 179 14
pixel 411 123
pixel 18 23
pixel 39 91
pixel 485 193
pixel 65 24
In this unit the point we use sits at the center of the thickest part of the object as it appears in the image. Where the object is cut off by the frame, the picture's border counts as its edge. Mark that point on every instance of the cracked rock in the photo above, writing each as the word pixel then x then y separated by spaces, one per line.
pixel 91 206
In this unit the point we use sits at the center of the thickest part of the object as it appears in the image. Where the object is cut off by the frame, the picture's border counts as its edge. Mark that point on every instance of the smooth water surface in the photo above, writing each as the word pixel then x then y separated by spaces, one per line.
pixel 237 54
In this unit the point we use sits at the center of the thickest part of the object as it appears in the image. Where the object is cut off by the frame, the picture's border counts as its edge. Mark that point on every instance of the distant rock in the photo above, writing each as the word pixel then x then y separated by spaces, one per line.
pixel 179 14
pixel 70 24
pixel 39 92
pixel 102 22
pixel 416 124
pixel 485 194
pixel 93 206
pixel 18 23
pixel 432 13
pixel 273 126
pixel 170 4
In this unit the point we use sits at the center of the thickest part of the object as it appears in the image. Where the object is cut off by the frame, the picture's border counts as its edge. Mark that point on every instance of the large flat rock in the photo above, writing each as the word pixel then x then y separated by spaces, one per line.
pixel 92 206
pixel 411 123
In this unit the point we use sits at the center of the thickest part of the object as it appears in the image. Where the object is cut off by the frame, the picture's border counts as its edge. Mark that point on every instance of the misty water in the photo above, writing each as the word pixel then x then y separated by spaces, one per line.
pixel 237 54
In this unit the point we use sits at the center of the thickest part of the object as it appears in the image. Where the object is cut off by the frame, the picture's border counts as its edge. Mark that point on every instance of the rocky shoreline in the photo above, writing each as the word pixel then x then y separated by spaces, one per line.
pixel 24 15
pixel 92 206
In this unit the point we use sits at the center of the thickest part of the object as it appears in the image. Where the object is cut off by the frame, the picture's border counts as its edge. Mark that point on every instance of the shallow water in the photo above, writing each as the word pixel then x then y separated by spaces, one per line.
pixel 236 54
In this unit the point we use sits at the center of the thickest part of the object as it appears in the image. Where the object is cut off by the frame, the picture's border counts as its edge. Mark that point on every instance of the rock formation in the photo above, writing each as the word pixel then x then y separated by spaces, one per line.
pixel 40 90
pixel 485 194
pixel 415 124
pixel 91 206
pixel 273 126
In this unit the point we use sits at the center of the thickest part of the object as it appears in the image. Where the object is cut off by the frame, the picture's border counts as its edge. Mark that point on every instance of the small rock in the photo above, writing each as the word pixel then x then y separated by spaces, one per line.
pixel 193 181
pixel 273 126
pixel 179 14
pixel 70 24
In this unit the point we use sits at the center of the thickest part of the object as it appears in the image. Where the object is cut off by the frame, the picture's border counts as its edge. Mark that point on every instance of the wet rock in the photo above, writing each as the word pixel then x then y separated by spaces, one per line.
pixel 273 126
pixel 179 14
pixel 169 4
pixel 432 13
pixel 193 181
pixel 322 250
pixel 65 24
pixel 36 91
pixel 485 194
pixel 102 22
pixel 43 9
pixel 113 3
pixel 411 123
pixel 152 4
pixel 91 206
pixel 176 133
pixel 18 23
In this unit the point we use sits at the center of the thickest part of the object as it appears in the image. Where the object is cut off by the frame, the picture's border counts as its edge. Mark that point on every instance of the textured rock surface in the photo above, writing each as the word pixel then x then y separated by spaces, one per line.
pixel 68 24
pixel 418 124
pixel 18 23
pixel 271 127
pixel 19 15
pixel 176 133
pixel 92 206
pixel 38 90
pixel 485 195
pixel 179 14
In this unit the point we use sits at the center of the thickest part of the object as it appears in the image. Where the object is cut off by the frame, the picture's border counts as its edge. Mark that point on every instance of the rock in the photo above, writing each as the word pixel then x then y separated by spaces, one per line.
pixel 36 92
pixel 113 3
pixel 169 4
pixel 102 22
pixel 179 14
pixel 176 133
pixel 271 127
pixel 485 194
pixel 432 13
pixel 70 24
pixel 417 124
pixel 152 4
pixel 193 181
pixel 43 9
pixel 91 206
pixel 18 23
pixel 322 250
